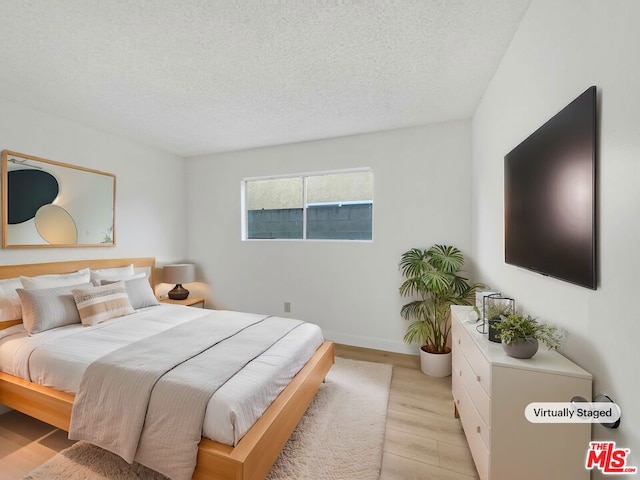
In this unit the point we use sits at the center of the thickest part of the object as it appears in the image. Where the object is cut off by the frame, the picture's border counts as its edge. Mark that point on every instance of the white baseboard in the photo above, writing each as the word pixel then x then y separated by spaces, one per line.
pixel 369 342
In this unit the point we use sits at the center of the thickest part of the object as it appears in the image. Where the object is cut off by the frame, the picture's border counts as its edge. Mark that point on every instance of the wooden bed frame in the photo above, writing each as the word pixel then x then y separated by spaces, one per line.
pixel 254 455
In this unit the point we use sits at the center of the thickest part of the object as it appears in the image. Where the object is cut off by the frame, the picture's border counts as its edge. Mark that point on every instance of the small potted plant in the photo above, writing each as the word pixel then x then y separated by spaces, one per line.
pixel 496 310
pixel 433 280
pixel 520 335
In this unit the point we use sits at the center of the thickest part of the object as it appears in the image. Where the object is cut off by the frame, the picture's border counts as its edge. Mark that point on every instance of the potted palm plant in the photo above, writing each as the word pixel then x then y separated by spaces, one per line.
pixel 433 276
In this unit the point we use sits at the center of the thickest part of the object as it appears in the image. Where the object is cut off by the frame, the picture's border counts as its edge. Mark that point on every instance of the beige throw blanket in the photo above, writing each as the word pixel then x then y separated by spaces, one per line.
pixel 146 401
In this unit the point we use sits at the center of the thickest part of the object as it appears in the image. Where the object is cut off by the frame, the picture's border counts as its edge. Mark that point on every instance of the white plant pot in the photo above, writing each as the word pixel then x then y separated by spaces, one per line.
pixel 435 364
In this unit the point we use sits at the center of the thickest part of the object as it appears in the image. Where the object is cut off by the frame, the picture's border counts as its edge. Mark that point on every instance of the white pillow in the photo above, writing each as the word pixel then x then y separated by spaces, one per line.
pixel 97 304
pixel 97 278
pixel 139 292
pixel 47 308
pixel 15 329
pixel 10 307
pixel 56 280
pixel 103 273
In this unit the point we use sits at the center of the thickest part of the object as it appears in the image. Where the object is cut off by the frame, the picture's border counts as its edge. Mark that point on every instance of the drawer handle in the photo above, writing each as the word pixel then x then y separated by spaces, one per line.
pixel 460 373
pixel 478 428
pixel 458 402
pixel 459 342
pixel 478 378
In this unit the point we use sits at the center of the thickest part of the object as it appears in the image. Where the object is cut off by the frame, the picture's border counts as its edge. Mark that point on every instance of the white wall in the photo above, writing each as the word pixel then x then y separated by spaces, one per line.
pixel 560 49
pixel 150 193
pixel 421 196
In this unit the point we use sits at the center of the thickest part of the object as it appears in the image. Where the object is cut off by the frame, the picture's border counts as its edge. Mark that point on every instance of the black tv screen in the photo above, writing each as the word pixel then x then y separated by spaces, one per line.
pixel 550 196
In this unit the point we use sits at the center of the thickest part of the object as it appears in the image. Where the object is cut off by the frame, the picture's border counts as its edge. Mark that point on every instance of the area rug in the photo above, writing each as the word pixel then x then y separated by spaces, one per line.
pixel 340 436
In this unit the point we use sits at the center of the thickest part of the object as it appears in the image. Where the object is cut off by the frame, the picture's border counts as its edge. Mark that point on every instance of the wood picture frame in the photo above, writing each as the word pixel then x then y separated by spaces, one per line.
pixel 53 204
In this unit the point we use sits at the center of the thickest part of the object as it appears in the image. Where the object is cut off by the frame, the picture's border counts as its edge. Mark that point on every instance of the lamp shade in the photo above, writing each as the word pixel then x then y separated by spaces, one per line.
pixel 179 273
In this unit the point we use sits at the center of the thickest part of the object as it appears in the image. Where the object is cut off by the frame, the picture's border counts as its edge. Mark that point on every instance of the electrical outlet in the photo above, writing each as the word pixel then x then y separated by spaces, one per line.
pixel 287 307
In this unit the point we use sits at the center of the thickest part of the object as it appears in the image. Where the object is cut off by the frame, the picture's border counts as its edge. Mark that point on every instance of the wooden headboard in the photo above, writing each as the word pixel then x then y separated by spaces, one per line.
pixel 33 269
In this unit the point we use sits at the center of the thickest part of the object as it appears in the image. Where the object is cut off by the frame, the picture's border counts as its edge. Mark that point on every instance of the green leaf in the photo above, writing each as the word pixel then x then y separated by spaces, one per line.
pixel 412 263
pixel 517 326
pixel 446 258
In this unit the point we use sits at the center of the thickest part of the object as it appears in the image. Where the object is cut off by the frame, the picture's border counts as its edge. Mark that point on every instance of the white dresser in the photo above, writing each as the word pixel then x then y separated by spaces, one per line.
pixel 491 391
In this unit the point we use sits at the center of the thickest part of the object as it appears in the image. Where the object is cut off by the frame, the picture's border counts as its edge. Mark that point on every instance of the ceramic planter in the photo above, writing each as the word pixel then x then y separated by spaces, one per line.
pixel 523 348
pixel 435 364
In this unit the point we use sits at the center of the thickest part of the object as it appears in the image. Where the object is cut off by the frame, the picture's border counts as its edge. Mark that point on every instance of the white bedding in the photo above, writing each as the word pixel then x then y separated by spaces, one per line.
pixel 57 358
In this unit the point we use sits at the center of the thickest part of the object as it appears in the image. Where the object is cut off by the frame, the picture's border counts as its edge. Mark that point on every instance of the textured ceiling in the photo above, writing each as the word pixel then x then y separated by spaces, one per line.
pixel 200 76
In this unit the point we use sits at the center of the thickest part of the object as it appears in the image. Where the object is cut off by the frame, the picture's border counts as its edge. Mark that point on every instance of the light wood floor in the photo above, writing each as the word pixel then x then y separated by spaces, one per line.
pixel 422 439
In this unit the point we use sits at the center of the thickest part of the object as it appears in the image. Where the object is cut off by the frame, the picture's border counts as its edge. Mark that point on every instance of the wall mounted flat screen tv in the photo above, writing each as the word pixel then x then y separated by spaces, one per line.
pixel 550 196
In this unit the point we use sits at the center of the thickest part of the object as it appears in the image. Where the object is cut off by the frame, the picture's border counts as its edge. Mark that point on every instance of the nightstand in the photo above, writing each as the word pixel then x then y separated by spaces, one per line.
pixel 190 301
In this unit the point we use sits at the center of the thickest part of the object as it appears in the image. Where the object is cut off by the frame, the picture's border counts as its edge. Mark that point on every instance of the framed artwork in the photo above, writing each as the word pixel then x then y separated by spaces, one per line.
pixel 53 204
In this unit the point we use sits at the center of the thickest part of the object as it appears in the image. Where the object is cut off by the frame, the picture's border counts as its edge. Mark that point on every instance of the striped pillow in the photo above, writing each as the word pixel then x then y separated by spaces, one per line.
pixel 47 308
pixel 139 292
pixel 10 307
pixel 97 304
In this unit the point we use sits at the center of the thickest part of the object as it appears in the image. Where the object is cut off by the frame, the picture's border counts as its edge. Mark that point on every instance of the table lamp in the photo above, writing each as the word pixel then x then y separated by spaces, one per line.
pixel 178 274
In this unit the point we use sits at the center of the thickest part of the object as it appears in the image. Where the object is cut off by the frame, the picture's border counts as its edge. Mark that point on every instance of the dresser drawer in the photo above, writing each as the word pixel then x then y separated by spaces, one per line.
pixel 476 431
pixel 463 372
pixel 478 362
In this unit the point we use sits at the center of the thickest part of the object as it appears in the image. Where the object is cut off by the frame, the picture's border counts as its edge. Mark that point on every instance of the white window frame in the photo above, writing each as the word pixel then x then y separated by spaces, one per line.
pixel 244 220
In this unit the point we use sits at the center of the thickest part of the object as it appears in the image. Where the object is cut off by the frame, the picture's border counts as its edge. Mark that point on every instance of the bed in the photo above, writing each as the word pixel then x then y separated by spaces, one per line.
pixel 250 458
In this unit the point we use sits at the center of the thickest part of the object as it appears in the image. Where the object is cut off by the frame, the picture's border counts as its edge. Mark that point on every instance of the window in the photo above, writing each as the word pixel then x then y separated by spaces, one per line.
pixel 319 206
